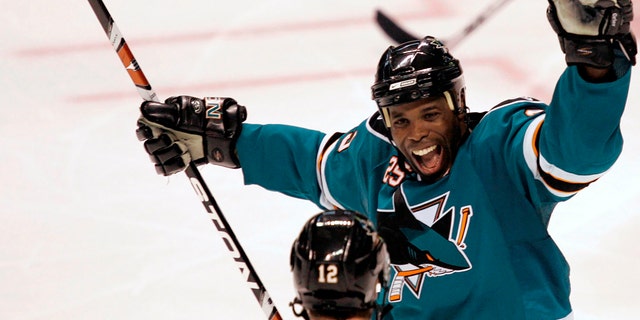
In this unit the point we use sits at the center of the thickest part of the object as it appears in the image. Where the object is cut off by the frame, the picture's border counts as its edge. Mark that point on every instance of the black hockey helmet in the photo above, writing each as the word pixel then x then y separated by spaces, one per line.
pixel 415 70
pixel 338 261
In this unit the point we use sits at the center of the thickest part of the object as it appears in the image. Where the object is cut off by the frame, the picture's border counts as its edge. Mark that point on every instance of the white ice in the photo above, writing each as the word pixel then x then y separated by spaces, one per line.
pixel 89 231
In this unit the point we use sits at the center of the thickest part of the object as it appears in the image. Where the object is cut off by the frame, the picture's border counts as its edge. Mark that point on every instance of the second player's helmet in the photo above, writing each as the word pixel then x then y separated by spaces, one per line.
pixel 338 262
pixel 416 70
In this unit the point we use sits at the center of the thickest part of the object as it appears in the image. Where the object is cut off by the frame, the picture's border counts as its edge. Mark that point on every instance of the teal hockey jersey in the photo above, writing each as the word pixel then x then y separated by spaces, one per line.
pixel 473 245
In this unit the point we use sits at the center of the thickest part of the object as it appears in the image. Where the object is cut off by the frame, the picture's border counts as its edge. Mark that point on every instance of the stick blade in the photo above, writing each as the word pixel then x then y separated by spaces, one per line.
pixel 392 29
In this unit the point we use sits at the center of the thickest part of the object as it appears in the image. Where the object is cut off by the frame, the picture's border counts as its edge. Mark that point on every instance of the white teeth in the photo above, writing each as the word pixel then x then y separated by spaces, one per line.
pixel 422 152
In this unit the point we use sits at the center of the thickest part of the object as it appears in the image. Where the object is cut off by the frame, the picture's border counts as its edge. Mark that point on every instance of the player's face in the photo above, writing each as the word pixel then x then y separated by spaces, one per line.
pixel 428 134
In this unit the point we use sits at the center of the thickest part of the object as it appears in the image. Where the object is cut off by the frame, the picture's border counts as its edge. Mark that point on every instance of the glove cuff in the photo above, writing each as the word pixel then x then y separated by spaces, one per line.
pixel 222 152
pixel 593 52
pixel 223 125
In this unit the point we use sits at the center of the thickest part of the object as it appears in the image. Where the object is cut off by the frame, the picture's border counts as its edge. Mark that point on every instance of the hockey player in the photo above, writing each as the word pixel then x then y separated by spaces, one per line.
pixel 339 264
pixel 462 203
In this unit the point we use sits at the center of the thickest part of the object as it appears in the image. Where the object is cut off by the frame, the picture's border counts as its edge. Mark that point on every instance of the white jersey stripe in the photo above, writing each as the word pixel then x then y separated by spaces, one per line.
pixel 326 199
pixel 536 161
pixel 560 174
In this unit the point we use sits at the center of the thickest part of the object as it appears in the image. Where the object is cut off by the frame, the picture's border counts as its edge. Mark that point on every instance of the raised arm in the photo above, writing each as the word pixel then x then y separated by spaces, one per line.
pixel 578 137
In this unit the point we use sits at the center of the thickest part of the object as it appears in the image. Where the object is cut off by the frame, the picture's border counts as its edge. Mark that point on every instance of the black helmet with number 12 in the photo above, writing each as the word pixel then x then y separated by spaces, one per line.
pixel 339 264
pixel 418 69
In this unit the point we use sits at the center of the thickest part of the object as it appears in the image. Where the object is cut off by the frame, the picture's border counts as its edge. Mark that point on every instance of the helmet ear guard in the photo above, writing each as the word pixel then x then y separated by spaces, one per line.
pixel 415 70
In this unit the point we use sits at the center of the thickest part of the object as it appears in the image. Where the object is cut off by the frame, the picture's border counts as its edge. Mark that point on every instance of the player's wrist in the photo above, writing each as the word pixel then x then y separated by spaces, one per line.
pixel 596 75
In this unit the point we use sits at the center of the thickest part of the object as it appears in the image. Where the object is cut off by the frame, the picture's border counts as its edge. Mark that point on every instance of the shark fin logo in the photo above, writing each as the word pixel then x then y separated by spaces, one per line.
pixel 423 243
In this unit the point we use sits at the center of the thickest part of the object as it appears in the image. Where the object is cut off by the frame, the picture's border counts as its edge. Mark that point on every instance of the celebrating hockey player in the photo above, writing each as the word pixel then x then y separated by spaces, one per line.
pixel 339 264
pixel 461 199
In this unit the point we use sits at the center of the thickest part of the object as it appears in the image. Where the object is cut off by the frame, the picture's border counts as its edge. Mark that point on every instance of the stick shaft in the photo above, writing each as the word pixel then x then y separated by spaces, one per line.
pixel 400 35
pixel 197 182
pixel 478 21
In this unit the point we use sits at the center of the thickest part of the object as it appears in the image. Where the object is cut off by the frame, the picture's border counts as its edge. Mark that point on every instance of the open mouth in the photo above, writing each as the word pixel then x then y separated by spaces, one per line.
pixel 428 160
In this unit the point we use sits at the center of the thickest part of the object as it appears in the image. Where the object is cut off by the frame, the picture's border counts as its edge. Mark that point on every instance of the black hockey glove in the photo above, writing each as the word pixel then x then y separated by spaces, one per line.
pixel 185 129
pixel 590 30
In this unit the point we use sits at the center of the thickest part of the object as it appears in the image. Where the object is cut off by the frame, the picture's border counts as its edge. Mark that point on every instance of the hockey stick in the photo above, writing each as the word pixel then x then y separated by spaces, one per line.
pixel 200 187
pixel 392 29
pixel 399 35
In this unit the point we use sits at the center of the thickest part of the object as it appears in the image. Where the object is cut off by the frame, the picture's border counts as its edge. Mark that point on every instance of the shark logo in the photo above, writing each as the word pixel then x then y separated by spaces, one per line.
pixel 422 242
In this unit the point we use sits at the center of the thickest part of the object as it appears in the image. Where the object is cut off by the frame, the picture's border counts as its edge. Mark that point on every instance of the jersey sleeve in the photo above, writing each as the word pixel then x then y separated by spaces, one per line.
pixel 281 158
pixel 342 170
pixel 548 153
pixel 578 138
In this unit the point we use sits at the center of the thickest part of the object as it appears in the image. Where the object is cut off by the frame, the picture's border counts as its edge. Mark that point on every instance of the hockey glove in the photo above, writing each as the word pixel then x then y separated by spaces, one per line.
pixel 590 30
pixel 185 129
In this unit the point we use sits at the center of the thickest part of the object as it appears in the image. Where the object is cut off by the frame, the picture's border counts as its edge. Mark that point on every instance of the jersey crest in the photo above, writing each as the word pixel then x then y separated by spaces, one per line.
pixel 424 241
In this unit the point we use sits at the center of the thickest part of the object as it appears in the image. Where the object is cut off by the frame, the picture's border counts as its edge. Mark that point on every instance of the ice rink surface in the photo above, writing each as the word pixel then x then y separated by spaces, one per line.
pixel 89 231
